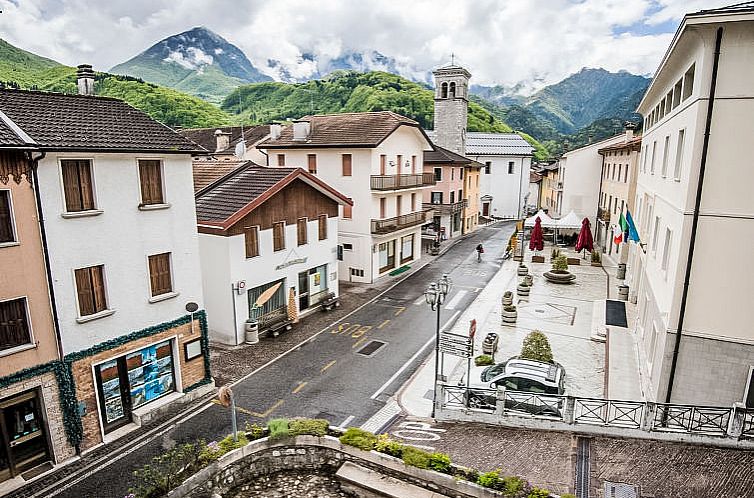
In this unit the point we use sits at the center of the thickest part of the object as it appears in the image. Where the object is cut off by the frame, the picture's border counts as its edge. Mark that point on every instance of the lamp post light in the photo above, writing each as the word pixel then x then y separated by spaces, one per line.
pixel 435 296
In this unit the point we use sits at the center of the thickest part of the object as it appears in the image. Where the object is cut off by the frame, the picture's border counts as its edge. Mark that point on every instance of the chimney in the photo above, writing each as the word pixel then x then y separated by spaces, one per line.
pixel 85 79
pixel 275 130
pixel 222 139
pixel 301 130
pixel 629 126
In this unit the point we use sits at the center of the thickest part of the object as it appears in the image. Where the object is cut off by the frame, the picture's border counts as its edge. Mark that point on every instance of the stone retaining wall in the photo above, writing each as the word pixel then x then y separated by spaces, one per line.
pixel 241 467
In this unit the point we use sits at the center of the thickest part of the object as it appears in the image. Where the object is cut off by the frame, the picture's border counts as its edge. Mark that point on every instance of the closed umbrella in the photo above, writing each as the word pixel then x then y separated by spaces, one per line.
pixel 537 240
pixel 585 240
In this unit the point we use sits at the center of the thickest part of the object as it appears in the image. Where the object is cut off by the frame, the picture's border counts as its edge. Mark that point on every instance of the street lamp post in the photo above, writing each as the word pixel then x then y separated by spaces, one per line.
pixel 435 296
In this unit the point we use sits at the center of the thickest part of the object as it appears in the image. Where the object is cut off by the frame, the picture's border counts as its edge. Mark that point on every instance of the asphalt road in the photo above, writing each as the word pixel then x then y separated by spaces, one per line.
pixel 328 377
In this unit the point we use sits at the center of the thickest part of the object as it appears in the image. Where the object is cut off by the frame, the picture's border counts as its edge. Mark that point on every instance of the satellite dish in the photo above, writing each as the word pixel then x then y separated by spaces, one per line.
pixel 192 307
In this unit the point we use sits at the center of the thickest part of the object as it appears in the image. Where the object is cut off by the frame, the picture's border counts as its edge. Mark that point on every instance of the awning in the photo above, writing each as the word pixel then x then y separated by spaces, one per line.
pixel 571 220
pixel 547 222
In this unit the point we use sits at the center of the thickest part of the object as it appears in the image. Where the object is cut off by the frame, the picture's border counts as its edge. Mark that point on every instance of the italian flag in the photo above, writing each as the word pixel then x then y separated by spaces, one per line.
pixel 620 229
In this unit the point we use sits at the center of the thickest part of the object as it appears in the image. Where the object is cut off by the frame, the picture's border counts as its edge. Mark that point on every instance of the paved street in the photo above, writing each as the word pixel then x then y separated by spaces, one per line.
pixel 328 376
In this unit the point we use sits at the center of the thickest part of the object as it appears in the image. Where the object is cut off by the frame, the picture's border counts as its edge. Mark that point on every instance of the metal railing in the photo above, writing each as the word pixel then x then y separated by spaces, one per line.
pixel 691 419
pixel 608 412
pixel 399 222
pixel 396 182
pixel 456 207
pixel 712 421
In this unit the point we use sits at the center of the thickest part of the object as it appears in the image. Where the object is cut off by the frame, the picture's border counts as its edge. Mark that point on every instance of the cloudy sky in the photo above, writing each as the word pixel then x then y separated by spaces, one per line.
pixel 499 41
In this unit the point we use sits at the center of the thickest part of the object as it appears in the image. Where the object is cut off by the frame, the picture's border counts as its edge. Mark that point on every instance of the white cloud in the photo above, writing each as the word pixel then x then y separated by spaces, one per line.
pixel 499 41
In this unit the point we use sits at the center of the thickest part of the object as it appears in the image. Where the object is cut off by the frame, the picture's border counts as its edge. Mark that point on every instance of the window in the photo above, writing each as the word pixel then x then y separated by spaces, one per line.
pixel 311 161
pixel 644 157
pixel 652 162
pixel 655 234
pixel 150 178
pixel 460 173
pixel 438 174
pixel 679 155
pixel 487 167
pixel 436 198
pixel 159 274
pixel 620 166
pixel 251 241
pixel 398 205
pixel 383 163
pixel 90 289
pixel 347 211
pixel 444 91
pixel 413 202
pixel 399 162
pixel 347 168
pixel 281 159
pixel 14 324
pixel 665 150
pixel 688 83
pixel 347 246
pixel 413 164
pixel 407 248
pixel 662 108
pixel 452 197
pixel 452 89
pixel 677 93
pixel 6 218
pixel 625 174
pixel 668 102
pixel 622 205
pixel 301 231
pixel 77 185
pixel 382 207
pixel 278 236
pixel 452 173
pixel 322 226
pixel 510 167
pixel 357 272
pixel 666 249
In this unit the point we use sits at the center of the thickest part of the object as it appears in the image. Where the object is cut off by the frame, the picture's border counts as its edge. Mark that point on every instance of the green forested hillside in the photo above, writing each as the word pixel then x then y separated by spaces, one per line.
pixel 21 69
pixel 349 91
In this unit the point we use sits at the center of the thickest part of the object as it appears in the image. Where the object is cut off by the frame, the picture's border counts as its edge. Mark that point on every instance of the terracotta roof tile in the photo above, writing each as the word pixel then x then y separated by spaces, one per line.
pixel 78 122
pixel 357 129
pixel 8 137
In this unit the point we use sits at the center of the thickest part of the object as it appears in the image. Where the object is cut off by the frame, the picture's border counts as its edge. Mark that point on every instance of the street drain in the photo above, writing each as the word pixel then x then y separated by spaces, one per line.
pixel 370 348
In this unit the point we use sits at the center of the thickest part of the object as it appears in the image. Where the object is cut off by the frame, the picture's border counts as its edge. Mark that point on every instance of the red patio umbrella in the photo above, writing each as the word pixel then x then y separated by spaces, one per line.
pixel 537 240
pixel 585 240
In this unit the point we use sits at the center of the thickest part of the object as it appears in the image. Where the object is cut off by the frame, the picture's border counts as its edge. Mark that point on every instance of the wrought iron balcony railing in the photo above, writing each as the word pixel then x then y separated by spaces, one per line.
pixel 399 222
pixel 397 182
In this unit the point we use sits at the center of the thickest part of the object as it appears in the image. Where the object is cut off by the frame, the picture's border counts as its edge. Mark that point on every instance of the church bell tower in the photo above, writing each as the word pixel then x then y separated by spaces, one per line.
pixel 451 107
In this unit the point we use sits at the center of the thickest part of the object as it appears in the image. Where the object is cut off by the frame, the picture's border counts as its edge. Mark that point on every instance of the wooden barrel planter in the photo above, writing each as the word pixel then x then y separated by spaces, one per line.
pixel 507 298
pixel 523 289
pixel 522 270
pixel 509 314
pixel 574 261
pixel 559 276
pixel 537 259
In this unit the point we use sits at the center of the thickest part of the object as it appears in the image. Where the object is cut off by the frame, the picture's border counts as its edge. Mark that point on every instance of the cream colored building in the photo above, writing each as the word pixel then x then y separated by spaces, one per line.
pixel 617 191
pixel 692 275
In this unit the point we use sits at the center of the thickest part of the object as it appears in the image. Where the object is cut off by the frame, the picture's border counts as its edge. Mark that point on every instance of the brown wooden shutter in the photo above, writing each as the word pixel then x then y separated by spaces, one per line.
pixel 278 236
pixel 413 164
pixel 383 163
pixel 14 325
pixel 322 226
pixel 71 188
pixel 281 159
pixel 150 176
pixel 85 292
pixel 85 185
pixel 251 241
pixel 347 211
pixel 6 219
pixel 312 163
pixel 159 274
pixel 301 231
pixel 98 288
pixel 347 169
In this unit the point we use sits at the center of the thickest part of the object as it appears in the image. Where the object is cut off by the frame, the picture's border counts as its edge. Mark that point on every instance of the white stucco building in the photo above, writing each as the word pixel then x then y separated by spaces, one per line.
pixel 692 276
pixel 376 160
pixel 261 228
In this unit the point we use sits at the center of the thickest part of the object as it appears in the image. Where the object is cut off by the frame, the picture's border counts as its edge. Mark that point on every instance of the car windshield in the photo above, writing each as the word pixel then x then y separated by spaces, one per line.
pixel 490 373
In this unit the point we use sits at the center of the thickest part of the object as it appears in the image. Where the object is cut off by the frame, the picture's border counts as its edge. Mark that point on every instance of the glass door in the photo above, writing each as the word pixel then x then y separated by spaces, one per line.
pixel 303 290
pixel 24 438
pixel 115 399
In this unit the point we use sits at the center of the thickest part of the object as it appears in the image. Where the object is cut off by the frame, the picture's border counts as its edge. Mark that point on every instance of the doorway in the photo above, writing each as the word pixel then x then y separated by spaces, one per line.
pixel 25 440
pixel 486 209
pixel 312 285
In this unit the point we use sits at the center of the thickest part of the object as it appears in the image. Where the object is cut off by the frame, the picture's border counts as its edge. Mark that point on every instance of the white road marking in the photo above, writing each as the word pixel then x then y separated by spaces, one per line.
pixel 347 421
pixel 456 300
pixel 404 367
pixel 420 300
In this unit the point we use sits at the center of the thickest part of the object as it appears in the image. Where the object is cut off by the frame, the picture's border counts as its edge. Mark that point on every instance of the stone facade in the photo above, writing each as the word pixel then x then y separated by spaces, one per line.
pixel 451 108
pixel 187 375
pixel 51 412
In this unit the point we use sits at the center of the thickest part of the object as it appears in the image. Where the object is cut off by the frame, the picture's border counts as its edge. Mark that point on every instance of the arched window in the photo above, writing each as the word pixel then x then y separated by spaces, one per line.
pixel 444 91
pixel 452 89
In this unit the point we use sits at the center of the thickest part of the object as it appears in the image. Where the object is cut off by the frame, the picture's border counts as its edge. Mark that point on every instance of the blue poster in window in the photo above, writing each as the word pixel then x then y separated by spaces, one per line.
pixel 150 373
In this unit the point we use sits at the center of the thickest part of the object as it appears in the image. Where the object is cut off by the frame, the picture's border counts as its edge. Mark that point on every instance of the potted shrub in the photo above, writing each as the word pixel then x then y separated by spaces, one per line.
pixel 509 314
pixel 507 298
pixel 596 258
pixel 559 273
pixel 522 270
pixel 536 347
pixel 483 360
pixel 523 288
pixel 529 280
pixel 554 254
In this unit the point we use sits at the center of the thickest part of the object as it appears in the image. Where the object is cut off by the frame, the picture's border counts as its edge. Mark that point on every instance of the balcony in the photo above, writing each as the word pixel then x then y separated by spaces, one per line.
pixel 456 207
pixel 397 182
pixel 399 222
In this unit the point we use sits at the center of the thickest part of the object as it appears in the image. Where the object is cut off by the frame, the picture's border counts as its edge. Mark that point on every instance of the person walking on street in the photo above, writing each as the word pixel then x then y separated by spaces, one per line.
pixel 479 251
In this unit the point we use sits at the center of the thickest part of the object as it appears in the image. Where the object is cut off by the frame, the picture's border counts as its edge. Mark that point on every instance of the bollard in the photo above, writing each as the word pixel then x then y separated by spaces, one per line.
pixel 621 275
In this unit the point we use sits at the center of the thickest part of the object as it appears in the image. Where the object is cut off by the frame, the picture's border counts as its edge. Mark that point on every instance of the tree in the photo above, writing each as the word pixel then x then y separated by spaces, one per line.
pixel 536 347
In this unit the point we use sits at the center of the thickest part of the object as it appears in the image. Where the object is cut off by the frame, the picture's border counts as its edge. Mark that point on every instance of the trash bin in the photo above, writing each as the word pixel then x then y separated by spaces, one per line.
pixel 252 331
pixel 623 292
pixel 621 271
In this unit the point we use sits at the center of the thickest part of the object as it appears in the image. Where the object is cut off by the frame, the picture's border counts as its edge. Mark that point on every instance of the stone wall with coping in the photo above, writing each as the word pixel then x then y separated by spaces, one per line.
pixel 237 470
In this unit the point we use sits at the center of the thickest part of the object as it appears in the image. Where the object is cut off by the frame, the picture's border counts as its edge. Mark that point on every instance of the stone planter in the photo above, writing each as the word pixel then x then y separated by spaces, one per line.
pixel 522 270
pixel 509 315
pixel 537 259
pixel 559 276
pixel 523 289
pixel 574 261
pixel 507 298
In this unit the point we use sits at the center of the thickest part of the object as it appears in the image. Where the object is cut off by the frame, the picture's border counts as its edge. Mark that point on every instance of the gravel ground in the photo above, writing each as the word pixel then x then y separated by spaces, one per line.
pixel 293 485
pixel 232 363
